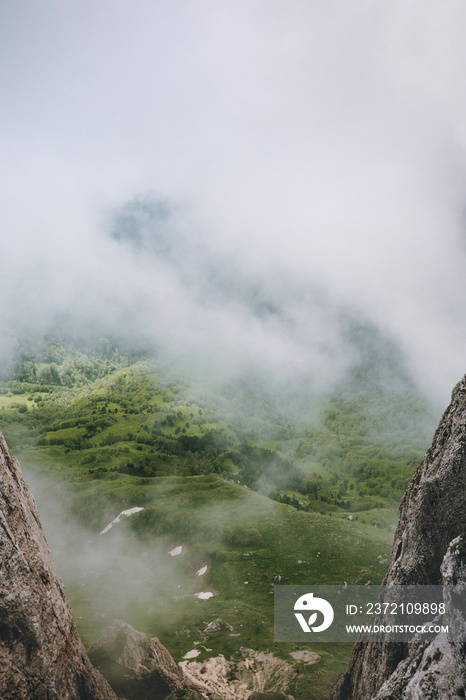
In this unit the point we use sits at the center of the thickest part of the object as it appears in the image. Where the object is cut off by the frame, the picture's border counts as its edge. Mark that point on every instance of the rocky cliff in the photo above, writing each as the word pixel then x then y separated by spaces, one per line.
pixel 139 667
pixel 428 549
pixel 41 655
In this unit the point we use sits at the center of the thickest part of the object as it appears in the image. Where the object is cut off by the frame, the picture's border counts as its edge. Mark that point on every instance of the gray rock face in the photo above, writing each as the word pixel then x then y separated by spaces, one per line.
pixel 432 514
pixel 437 669
pixel 41 655
pixel 137 666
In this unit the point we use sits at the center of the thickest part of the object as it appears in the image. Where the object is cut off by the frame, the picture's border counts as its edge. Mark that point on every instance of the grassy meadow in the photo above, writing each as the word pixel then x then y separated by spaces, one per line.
pixel 257 500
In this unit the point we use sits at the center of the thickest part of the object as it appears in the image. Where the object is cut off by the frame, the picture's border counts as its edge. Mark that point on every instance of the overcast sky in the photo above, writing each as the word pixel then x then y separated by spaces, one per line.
pixel 307 147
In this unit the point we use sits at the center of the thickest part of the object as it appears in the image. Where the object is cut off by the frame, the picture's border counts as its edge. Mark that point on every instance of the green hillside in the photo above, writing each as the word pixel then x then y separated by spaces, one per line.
pixel 253 493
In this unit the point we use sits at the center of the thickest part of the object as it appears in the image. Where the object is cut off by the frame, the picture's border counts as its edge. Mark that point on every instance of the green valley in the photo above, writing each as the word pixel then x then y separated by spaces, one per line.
pixel 249 493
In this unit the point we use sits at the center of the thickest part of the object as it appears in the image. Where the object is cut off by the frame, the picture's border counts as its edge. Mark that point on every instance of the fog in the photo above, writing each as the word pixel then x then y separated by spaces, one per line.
pixel 289 166
pixel 116 574
pixel 148 579
pixel 263 193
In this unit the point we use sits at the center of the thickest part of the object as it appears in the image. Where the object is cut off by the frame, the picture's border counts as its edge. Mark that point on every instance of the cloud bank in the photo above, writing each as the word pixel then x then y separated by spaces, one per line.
pixel 303 162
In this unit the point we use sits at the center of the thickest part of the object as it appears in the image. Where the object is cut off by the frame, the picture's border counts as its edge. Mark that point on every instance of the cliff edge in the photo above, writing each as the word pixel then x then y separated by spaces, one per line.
pixel 427 549
pixel 41 655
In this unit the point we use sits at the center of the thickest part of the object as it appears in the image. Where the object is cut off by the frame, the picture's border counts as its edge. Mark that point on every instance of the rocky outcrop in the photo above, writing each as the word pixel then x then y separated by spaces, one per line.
pixel 217 628
pixel 432 516
pixel 437 669
pixel 270 696
pixel 41 655
pixel 250 674
pixel 139 667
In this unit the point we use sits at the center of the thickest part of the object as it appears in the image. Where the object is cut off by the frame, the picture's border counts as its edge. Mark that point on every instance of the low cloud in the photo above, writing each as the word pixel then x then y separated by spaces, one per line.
pixel 307 162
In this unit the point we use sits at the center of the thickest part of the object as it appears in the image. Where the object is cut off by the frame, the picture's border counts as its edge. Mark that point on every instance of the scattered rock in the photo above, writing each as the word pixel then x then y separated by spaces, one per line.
pixel 250 672
pixel 270 696
pixel 308 657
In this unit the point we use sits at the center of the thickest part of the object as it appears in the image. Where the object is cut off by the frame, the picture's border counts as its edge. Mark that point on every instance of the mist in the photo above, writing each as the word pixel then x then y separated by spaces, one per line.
pixel 115 574
pixel 238 185
pixel 142 574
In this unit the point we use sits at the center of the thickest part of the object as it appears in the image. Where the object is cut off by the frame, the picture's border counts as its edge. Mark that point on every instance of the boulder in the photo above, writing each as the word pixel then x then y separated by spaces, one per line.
pixel 217 628
pixel 139 667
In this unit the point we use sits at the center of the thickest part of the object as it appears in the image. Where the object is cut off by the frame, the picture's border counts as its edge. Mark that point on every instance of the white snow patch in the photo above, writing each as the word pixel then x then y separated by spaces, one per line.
pixel 123 514
pixel 176 551
pixel 201 572
pixel 204 595
pixel 191 654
